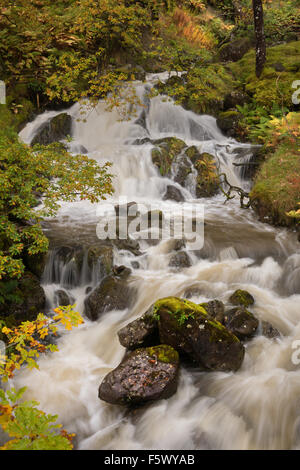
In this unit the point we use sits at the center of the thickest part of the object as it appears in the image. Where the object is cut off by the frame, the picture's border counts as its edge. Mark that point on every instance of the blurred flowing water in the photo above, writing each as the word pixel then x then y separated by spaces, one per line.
pixel 254 408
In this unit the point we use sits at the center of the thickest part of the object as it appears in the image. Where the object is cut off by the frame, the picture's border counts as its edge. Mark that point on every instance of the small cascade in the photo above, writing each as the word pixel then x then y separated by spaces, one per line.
pixel 69 271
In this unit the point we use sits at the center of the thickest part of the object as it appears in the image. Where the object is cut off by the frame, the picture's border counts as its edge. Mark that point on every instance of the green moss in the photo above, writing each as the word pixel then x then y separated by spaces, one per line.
pixel 205 89
pixel 276 189
pixel 164 353
pixel 241 297
pixel 165 152
pixel 273 86
pixel 182 310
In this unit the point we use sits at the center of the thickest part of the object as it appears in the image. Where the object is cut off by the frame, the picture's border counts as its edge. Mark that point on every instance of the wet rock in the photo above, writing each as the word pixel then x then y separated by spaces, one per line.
pixel 189 329
pixel 173 194
pixel 180 260
pixel 129 244
pixel 241 322
pixel 58 128
pixel 164 153
pixel 145 140
pixel 193 292
pixel 193 154
pixel 216 309
pixel 63 298
pixel 178 245
pixel 135 264
pixel 207 177
pixel 235 50
pixel 145 375
pixel 121 271
pixel 104 256
pixel 113 293
pixel 241 297
pixel 141 332
pixel 229 122
pixel 269 331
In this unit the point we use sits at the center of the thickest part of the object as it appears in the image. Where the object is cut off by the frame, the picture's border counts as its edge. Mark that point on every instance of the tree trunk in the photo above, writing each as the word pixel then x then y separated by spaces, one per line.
pixel 260 36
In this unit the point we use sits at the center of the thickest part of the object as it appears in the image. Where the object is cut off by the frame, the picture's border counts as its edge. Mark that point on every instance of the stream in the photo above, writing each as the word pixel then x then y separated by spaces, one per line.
pixel 254 408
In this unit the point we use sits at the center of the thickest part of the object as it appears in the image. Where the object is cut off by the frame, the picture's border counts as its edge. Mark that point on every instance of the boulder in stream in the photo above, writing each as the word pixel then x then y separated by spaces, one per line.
pixel 241 322
pixel 145 375
pixel 139 333
pixel 242 297
pixel 58 128
pixel 180 260
pixel 113 293
pixel 189 329
pixel 269 331
pixel 173 194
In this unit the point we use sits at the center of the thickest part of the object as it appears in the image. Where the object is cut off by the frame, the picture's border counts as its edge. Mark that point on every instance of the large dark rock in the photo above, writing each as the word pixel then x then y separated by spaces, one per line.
pixel 269 331
pixel 216 309
pixel 143 376
pixel 189 329
pixel 173 194
pixel 128 244
pixel 102 257
pixel 235 98
pixel 180 260
pixel 235 50
pixel 113 293
pixel 241 322
pixel 63 298
pixel 229 122
pixel 58 128
pixel 141 332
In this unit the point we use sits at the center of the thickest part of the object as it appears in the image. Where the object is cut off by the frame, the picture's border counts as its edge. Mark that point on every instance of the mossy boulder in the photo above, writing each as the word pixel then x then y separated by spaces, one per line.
pixel 113 293
pixel 236 98
pixel 173 194
pixel 241 297
pixel 229 122
pixel 216 309
pixel 58 128
pixel 145 375
pixel 141 332
pixel 235 50
pixel 189 329
pixel 208 180
pixel 164 153
pixel 275 83
pixel 241 322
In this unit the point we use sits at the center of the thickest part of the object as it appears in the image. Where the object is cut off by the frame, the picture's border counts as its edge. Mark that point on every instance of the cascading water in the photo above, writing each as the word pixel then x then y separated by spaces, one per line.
pixel 254 408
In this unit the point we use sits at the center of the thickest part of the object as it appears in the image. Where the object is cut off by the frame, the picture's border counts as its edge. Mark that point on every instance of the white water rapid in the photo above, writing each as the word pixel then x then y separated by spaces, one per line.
pixel 254 408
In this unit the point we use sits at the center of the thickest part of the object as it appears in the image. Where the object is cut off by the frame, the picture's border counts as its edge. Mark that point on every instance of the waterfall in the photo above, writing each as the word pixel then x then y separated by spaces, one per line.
pixel 254 408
